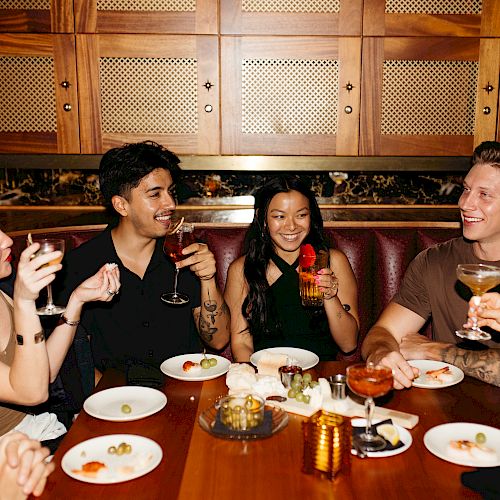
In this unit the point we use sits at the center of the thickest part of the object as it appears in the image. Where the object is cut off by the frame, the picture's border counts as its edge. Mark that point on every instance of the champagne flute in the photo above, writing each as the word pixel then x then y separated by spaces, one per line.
pixel 479 278
pixel 174 242
pixel 48 245
pixel 369 381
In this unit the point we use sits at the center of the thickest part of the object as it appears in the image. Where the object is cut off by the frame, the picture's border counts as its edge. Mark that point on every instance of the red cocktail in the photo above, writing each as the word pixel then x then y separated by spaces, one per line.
pixel 369 381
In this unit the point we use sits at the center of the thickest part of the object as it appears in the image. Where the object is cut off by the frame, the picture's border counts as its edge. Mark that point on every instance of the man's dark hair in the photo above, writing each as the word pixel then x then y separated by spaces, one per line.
pixel 122 169
pixel 487 153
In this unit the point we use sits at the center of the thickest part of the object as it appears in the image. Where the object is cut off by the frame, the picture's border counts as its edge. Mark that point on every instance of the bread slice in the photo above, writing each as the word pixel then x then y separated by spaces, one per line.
pixel 269 363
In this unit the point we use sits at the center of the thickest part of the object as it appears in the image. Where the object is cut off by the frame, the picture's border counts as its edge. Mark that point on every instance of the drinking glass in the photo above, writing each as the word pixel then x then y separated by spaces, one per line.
pixel 369 381
pixel 172 246
pixel 46 246
pixel 310 293
pixel 479 278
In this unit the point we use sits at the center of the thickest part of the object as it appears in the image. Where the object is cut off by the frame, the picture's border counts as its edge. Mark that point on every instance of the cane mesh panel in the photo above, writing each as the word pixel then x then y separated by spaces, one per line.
pixel 148 5
pixel 304 6
pixel 433 6
pixel 27 94
pixel 149 95
pixel 429 97
pixel 289 96
pixel 25 4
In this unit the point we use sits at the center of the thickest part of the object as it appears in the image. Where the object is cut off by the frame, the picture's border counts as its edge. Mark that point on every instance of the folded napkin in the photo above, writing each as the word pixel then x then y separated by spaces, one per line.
pixel 262 430
pixel 484 481
pixel 356 431
pixel 41 427
pixel 140 373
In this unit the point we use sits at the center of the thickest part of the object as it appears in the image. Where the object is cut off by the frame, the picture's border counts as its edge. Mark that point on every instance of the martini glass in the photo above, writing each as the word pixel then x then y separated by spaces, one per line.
pixel 479 278
pixel 47 246
pixel 173 245
pixel 369 381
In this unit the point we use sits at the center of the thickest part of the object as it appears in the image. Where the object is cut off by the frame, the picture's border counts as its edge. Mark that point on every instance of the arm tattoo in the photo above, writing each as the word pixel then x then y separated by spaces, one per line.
pixel 206 320
pixel 483 365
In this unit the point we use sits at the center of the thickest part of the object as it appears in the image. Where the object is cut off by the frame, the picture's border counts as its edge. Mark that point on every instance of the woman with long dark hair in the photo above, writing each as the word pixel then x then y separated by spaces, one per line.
pixel 262 289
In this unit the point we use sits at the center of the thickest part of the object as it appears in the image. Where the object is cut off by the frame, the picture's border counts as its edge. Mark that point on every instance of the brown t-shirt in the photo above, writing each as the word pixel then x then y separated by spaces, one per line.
pixel 9 417
pixel 430 288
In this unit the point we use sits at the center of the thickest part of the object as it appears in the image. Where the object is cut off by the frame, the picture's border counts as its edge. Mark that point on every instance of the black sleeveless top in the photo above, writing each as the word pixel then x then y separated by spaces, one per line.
pixel 290 324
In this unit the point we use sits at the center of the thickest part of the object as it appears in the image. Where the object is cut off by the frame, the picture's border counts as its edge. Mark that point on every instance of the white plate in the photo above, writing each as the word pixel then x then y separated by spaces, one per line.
pixel 425 382
pixel 107 404
pixel 404 436
pixel 305 359
pixel 145 456
pixel 173 367
pixel 436 440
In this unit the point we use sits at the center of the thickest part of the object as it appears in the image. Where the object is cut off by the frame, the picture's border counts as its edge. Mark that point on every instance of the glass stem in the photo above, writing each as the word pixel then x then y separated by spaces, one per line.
pixel 369 408
pixel 50 301
pixel 474 323
pixel 175 281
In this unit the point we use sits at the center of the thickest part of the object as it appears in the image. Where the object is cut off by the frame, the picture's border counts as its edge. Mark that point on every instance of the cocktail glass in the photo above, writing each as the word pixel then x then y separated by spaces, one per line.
pixel 172 246
pixel 47 246
pixel 479 278
pixel 369 381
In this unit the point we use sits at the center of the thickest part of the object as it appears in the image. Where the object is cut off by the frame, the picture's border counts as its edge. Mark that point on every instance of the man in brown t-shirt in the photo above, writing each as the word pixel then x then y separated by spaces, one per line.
pixel 430 290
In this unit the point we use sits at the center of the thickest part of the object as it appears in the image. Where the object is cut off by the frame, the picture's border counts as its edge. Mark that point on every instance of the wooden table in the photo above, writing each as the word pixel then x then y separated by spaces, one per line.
pixel 196 465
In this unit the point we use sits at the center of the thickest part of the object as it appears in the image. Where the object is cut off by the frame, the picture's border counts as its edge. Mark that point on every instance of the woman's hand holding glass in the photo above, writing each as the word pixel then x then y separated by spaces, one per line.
pixel 327 282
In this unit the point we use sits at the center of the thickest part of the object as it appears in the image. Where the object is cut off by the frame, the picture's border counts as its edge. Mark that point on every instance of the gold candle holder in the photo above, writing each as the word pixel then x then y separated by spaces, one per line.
pixel 327 444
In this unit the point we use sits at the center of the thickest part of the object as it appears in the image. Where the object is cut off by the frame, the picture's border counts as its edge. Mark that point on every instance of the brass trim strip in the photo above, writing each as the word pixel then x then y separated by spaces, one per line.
pixel 257 163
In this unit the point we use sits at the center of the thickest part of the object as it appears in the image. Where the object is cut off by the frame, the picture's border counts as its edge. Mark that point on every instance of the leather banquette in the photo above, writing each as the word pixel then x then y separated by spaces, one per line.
pixel 378 252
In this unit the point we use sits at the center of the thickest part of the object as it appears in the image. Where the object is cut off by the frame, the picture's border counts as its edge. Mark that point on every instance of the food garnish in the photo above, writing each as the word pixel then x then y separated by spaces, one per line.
pixel 121 449
pixel 480 438
pixel 307 255
pixel 437 373
pixel 188 365
pixel 176 226
pixel 389 433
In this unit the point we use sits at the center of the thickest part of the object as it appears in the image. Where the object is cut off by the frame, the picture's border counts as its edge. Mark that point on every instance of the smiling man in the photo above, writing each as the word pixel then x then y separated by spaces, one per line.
pixel 430 289
pixel 136 180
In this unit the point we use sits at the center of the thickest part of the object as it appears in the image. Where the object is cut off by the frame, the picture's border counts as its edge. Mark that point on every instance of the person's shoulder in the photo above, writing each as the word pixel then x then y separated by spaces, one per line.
pixel 237 265
pixel 441 249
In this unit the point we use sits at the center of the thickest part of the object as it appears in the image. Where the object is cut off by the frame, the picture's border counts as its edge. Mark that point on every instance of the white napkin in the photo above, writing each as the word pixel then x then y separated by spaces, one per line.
pixel 41 427
pixel 240 378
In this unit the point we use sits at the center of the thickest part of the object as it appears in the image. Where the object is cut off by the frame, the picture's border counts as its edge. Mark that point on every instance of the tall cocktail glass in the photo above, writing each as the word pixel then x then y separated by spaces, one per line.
pixel 48 245
pixel 369 381
pixel 174 242
pixel 479 278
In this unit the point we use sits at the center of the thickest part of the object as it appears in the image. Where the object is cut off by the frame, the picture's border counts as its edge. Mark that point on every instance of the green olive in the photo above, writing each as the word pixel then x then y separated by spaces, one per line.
pixel 112 450
pixel 480 438
pixel 126 408
pixel 205 363
pixel 213 362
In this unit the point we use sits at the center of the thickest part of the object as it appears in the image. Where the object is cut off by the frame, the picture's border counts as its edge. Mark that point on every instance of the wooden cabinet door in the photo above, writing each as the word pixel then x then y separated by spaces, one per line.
pixel 38 94
pixel 474 18
pixel 291 17
pixel 419 96
pixel 37 16
pixel 290 96
pixel 147 16
pixel 149 87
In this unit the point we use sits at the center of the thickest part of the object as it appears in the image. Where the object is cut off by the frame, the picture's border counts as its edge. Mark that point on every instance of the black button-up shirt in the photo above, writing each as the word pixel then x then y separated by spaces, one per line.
pixel 136 324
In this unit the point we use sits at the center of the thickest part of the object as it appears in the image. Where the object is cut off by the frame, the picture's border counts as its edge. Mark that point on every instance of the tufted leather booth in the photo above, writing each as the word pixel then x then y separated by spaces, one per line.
pixel 379 254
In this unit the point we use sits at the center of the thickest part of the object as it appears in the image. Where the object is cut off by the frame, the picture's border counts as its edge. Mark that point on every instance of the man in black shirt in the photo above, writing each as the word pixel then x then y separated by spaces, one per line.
pixel 136 180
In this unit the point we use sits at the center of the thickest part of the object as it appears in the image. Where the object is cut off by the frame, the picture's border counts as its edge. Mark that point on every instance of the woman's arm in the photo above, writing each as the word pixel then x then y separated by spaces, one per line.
pixel 339 287
pixel 235 293
pixel 92 289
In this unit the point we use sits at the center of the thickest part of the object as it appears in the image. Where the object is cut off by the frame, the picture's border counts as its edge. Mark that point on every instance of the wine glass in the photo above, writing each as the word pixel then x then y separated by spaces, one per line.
pixel 369 381
pixel 174 242
pixel 46 246
pixel 479 278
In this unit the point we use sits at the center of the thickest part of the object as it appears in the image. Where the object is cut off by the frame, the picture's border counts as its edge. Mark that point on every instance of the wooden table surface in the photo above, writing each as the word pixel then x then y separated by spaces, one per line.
pixel 197 465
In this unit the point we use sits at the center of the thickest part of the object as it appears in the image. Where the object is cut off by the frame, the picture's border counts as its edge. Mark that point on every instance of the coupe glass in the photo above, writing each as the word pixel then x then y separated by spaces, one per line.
pixel 479 278
pixel 172 246
pixel 47 246
pixel 369 381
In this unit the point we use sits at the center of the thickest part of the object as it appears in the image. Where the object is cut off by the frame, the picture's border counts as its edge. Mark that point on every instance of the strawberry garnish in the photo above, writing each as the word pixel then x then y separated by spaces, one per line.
pixel 307 255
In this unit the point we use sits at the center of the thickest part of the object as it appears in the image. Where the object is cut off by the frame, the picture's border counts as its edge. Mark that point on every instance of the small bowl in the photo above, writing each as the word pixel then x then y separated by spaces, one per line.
pixel 242 412
pixel 287 373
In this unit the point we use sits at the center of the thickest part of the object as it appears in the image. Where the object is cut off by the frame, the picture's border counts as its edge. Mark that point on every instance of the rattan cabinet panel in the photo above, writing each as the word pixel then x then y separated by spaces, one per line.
pixel 38 94
pixel 294 95
pixel 464 18
pixel 424 96
pixel 291 17
pixel 158 87
pixel 146 16
pixel 36 16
